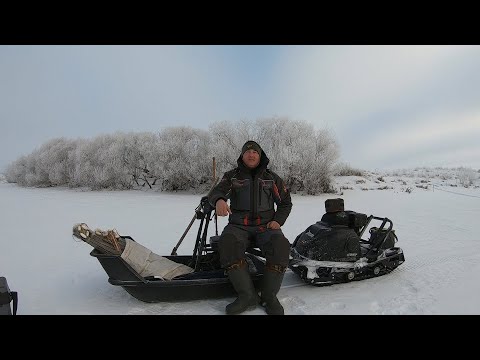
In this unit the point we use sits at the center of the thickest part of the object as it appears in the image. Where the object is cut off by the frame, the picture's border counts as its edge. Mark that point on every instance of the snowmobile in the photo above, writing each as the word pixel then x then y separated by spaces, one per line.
pixel 209 280
pixel 326 254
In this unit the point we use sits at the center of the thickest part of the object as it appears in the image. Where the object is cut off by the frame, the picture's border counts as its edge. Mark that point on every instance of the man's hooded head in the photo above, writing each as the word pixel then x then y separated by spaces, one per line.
pixel 252 155
pixel 251 145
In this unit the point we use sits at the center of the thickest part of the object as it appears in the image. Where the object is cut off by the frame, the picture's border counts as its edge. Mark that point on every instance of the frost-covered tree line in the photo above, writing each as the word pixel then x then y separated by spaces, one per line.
pixel 180 158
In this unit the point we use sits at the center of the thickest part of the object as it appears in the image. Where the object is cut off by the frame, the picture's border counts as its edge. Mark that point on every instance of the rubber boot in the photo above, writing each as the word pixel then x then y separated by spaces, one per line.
pixel 248 298
pixel 272 280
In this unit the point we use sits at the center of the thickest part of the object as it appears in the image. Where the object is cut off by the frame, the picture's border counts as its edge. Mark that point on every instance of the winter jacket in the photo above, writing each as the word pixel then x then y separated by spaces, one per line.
pixel 253 193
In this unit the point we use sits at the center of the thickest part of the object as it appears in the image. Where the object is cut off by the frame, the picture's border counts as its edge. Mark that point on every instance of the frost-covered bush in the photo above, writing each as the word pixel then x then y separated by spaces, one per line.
pixel 346 170
pixel 50 165
pixel 466 177
pixel 180 158
pixel 184 158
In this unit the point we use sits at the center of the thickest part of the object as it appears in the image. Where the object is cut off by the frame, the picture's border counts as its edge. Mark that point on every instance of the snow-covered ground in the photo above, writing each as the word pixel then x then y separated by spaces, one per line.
pixel 433 213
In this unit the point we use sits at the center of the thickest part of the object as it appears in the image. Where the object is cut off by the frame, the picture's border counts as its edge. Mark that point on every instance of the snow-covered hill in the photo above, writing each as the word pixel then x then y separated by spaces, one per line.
pixel 422 179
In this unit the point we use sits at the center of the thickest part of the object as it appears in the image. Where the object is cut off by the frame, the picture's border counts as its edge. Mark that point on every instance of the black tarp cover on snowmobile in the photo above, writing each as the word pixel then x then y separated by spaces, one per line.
pixel 324 242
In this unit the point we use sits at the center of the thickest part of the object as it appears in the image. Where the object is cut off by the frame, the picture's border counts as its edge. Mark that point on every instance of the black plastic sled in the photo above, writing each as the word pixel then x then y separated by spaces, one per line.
pixel 207 281
pixel 369 258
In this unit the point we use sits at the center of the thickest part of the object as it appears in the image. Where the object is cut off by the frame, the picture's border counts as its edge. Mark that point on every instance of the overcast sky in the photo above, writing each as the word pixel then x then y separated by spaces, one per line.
pixel 387 106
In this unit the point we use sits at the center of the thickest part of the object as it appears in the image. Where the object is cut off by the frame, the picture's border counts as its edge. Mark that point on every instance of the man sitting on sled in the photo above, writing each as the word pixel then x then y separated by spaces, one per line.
pixel 253 190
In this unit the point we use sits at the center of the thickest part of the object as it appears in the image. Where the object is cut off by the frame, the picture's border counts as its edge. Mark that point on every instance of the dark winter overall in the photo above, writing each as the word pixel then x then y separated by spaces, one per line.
pixel 253 194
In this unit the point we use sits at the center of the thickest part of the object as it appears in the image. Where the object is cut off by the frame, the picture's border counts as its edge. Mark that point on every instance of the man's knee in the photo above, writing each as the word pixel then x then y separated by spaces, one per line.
pixel 279 250
pixel 281 245
pixel 231 249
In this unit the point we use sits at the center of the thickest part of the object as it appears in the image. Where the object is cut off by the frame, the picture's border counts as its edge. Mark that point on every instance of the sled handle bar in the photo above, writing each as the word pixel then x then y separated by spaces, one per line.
pixel 200 211
pixel 198 215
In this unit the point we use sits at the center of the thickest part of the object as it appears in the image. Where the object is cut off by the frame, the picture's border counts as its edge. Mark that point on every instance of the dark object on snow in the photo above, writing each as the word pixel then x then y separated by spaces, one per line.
pixel 207 281
pixel 383 238
pixel 334 205
pixel 336 218
pixel 356 220
pixel 324 242
pixel 6 297
pixel 348 218
pixel 326 254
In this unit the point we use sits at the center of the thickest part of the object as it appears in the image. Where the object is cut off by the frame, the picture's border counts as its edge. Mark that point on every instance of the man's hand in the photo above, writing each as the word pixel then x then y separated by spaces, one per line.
pixel 222 208
pixel 273 225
